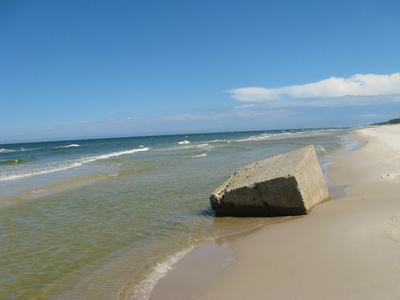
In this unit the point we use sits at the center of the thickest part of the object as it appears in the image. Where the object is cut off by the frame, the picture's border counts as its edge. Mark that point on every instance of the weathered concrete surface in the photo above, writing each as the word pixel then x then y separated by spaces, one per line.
pixel 287 184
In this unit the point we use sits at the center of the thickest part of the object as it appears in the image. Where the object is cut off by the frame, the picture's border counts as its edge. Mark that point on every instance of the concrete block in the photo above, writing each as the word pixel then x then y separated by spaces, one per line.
pixel 287 184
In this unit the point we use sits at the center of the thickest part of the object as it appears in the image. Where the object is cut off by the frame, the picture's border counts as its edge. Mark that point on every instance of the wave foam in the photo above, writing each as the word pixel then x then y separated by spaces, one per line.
pixel 319 148
pixel 254 138
pixel 62 166
pixel 68 146
pixel 184 142
pixel 144 289
pixel 113 154
pixel 190 146
pixel 4 150
pixel 199 155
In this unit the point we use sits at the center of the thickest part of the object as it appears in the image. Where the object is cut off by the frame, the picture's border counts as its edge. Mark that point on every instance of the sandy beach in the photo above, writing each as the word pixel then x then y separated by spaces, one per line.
pixel 347 248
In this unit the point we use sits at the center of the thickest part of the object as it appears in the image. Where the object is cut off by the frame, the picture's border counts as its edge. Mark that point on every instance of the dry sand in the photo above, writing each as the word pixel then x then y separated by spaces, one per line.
pixel 347 248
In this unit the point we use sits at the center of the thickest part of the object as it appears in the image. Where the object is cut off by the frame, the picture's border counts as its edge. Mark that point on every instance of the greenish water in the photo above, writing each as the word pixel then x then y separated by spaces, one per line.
pixel 105 219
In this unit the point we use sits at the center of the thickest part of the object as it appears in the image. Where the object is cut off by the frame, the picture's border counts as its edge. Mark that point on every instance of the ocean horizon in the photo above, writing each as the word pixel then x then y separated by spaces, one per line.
pixel 107 218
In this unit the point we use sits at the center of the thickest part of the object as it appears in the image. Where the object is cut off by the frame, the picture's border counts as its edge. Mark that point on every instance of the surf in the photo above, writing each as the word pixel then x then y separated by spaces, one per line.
pixel 31 170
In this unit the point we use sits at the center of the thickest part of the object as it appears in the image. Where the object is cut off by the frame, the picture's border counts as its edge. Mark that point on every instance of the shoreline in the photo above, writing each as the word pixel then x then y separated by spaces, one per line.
pixel 347 247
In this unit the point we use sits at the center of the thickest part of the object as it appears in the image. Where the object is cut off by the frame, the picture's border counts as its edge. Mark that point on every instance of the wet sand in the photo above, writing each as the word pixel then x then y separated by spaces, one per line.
pixel 347 248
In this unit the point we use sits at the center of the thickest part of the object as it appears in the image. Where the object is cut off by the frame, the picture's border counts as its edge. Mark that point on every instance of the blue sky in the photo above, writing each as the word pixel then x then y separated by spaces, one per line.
pixel 87 69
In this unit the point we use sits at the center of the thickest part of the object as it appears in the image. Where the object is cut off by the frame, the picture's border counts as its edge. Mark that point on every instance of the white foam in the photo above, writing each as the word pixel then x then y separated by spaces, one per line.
pixel 185 142
pixel 319 148
pixel 204 146
pixel 31 173
pixel 199 155
pixel 22 149
pixel 113 154
pixel 219 141
pixel 62 166
pixel 68 146
pixel 144 289
pixel 283 135
pixel 261 137
pixel 4 150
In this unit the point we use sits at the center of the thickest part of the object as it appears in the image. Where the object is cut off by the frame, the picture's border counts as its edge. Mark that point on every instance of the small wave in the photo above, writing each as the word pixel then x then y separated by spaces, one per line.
pixel 198 147
pixel 204 146
pixel 320 149
pixel 11 162
pixel 199 155
pixel 184 142
pixel 62 166
pixel 144 289
pixel 279 135
pixel 256 138
pixel 22 149
pixel 39 172
pixel 4 150
pixel 114 154
pixel 67 146
pixel 219 141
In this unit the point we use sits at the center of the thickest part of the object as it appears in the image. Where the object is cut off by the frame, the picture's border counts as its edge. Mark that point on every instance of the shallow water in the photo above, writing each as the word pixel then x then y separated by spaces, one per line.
pixel 105 219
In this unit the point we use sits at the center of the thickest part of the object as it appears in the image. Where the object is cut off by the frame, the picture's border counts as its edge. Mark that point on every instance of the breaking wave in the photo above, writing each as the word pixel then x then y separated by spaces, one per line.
pixel 11 162
pixel 5 150
pixel 199 155
pixel 68 146
pixel 261 137
pixel 52 167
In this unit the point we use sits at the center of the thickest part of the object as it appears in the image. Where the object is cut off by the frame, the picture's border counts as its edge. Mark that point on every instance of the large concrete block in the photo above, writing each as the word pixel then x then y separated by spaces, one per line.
pixel 287 184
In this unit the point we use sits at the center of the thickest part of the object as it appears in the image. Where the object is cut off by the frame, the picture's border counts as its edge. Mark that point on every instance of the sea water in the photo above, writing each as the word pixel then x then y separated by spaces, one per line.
pixel 107 218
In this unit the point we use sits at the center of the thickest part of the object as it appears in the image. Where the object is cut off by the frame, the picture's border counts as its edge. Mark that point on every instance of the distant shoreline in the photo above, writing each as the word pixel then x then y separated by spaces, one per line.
pixel 78 139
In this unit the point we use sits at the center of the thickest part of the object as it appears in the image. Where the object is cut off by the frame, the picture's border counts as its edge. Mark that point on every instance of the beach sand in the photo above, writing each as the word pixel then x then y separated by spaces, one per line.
pixel 347 248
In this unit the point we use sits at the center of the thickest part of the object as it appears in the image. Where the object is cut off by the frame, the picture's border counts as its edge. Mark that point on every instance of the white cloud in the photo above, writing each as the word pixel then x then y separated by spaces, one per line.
pixel 326 92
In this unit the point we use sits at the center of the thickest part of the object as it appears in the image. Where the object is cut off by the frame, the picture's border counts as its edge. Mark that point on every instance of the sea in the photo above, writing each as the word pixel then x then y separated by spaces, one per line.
pixel 108 218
